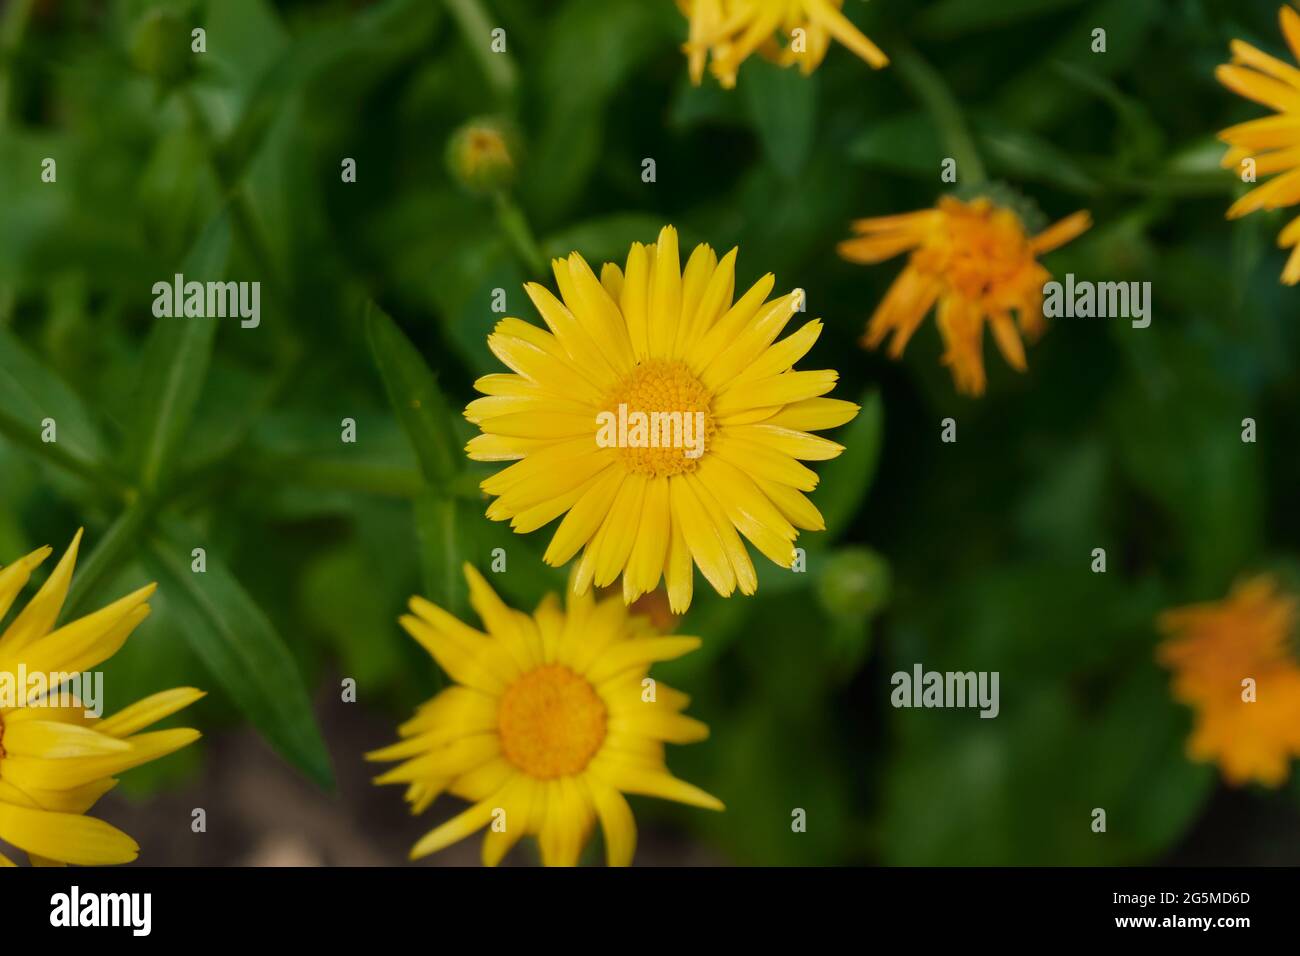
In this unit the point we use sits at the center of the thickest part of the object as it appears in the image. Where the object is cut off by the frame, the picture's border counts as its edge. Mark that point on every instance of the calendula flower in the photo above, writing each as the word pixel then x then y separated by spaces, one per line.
pixel 1233 662
pixel 1273 143
pixel 551 721
pixel 660 418
pixel 977 263
pixel 728 31
pixel 56 761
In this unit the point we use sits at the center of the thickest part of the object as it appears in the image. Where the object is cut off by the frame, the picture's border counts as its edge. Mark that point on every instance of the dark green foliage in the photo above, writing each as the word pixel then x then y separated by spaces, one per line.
pixel 376 308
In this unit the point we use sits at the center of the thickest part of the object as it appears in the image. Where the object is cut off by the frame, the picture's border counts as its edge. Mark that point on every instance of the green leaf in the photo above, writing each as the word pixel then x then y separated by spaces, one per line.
pixel 111 551
pixel 783 105
pixel 414 394
pixel 846 480
pixel 31 393
pixel 1142 141
pixel 440 528
pixel 1037 98
pixel 907 143
pixel 176 364
pixel 1023 156
pixel 359 46
pixel 590 49
pixel 240 648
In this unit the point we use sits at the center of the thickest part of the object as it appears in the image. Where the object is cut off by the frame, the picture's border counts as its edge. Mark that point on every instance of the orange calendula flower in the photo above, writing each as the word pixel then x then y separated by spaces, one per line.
pixel 974 260
pixel 728 31
pixel 1233 663
pixel 1273 142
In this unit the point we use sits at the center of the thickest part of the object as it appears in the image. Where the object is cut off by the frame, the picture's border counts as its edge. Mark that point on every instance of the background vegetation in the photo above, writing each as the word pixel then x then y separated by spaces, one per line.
pixel 175 435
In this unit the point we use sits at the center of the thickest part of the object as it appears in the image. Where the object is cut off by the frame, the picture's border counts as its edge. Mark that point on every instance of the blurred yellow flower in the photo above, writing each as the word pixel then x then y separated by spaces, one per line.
pixel 660 419
pixel 1272 144
pixel 730 30
pixel 974 260
pixel 551 721
pixel 1251 730
pixel 55 760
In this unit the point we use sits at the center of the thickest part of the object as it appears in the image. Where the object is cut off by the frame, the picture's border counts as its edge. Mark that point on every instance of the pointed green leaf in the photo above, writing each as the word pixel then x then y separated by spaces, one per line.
pixel 176 364
pixel 440 526
pixel 240 648
pixel 414 394
pixel 29 394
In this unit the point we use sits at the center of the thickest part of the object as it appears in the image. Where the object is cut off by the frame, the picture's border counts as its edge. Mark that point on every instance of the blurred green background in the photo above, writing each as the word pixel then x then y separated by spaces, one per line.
pixel 176 435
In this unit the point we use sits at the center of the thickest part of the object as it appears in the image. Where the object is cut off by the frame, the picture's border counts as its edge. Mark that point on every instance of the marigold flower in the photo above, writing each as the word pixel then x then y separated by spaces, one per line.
pixel 730 30
pixel 55 761
pixel 1212 648
pixel 642 346
pixel 976 261
pixel 1272 142
pixel 551 721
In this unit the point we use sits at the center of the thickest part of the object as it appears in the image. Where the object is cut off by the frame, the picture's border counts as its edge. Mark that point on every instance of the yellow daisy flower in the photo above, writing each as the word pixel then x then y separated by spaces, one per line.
pixel 551 721
pixel 646 344
pixel 730 30
pixel 1274 141
pixel 1211 649
pixel 55 760
pixel 976 261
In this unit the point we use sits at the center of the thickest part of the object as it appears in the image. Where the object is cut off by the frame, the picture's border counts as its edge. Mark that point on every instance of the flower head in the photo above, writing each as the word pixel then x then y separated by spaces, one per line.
pixel 551 721
pixel 1212 649
pixel 661 418
pixel 56 761
pixel 730 30
pixel 1273 143
pixel 976 261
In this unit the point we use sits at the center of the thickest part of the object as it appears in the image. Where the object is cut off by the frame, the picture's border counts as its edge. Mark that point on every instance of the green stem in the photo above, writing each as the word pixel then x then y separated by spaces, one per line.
pixel 116 543
pixel 943 107
pixel 475 26
pixel 95 474
pixel 240 208
pixel 518 233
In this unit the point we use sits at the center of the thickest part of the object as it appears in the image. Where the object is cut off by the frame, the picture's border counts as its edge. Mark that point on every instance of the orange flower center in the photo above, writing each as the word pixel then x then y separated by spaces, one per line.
pixel 551 722
pixel 981 253
pixel 659 419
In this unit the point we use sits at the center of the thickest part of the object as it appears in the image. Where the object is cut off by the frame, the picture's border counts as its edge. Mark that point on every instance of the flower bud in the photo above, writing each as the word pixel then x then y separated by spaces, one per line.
pixel 857 581
pixel 482 155
pixel 160 47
